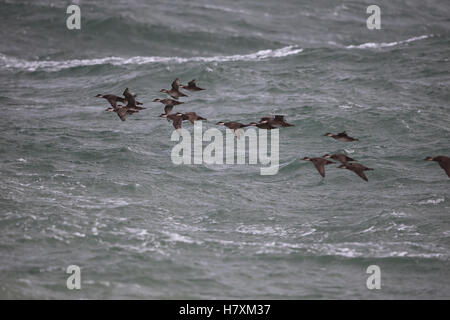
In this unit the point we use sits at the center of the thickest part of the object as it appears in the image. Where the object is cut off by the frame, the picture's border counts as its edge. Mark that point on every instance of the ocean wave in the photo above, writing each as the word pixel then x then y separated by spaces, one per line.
pixel 14 63
pixel 374 45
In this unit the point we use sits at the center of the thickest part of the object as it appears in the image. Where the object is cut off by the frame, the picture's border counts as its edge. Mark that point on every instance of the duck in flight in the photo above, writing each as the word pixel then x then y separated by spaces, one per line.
pixel 176 118
pixel 235 126
pixel 122 111
pixel 192 117
pixel 356 168
pixel 342 136
pixel 263 125
pixel 276 121
pixel 319 163
pixel 175 91
pixel 168 104
pixel 342 158
pixel 131 100
pixel 192 86
pixel 444 163
pixel 113 99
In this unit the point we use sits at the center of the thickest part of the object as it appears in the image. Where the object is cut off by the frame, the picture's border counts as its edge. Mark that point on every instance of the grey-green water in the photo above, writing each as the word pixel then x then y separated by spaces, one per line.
pixel 78 186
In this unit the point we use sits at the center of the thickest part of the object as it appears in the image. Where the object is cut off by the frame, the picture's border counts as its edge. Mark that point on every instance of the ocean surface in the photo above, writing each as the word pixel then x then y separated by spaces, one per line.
pixel 80 187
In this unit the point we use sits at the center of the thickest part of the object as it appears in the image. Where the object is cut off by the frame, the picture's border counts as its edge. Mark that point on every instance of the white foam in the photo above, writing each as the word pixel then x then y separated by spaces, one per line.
pixel 375 45
pixel 225 9
pixel 11 62
pixel 432 201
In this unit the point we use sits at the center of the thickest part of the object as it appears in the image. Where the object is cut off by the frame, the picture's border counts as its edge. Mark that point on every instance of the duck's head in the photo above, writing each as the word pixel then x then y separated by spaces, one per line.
pixel 326 156
pixel 220 123
pixel 429 159
pixel 163 90
pixel 328 134
pixel 99 96
pixel 306 158
pixel 163 115
pixel 157 100
pixel 110 109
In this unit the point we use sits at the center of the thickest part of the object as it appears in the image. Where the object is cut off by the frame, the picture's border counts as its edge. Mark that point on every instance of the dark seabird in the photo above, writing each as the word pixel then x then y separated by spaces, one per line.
pixel 276 121
pixel 342 136
pixel 342 158
pixel 168 104
pixel 131 100
pixel 192 117
pixel 112 99
pixel 356 168
pixel 443 161
pixel 262 125
pixel 319 163
pixel 235 126
pixel 192 86
pixel 122 111
pixel 176 119
pixel 175 91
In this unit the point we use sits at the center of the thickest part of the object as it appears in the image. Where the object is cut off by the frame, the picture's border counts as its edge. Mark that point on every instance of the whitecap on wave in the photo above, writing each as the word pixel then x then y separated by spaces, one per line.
pixel 375 45
pixel 11 62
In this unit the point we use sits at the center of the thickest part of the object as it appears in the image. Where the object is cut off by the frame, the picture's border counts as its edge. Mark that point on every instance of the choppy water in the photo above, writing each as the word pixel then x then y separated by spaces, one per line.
pixel 78 186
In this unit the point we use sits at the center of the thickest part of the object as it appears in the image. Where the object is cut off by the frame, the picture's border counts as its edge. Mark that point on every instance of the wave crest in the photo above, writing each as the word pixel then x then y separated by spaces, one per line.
pixel 374 45
pixel 11 62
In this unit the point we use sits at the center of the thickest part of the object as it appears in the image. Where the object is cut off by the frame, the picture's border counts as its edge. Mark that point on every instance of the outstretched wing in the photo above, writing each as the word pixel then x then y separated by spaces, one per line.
pixel 320 166
pixel 112 99
pixel 168 108
pixel 360 173
pixel 131 101
pixel 176 84
pixel 177 122
pixel 122 113
pixel 445 166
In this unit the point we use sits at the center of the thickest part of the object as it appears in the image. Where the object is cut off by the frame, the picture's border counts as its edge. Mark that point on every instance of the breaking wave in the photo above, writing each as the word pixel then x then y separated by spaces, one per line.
pixel 11 62
pixel 374 45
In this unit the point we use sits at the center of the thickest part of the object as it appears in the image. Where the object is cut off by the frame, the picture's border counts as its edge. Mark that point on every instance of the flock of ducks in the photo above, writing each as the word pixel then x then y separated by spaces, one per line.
pixel 131 106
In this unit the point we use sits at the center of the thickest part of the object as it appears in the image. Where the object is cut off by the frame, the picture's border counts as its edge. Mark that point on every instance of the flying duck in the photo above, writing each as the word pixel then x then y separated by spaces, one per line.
pixel 342 136
pixel 131 101
pixel 112 99
pixel 192 86
pixel 192 117
pixel 175 91
pixel 263 125
pixel 356 168
pixel 168 102
pixel 276 121
pixel 342 158
pixel 122 111
pixel 235 126
pixel 319 163
pixel 176 119
pixel 443 161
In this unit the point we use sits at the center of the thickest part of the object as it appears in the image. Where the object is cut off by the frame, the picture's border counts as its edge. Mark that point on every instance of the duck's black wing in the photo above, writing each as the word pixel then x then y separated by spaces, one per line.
pixel 320 166
pixel 176 84
pixel 445 164
pixel 168 108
